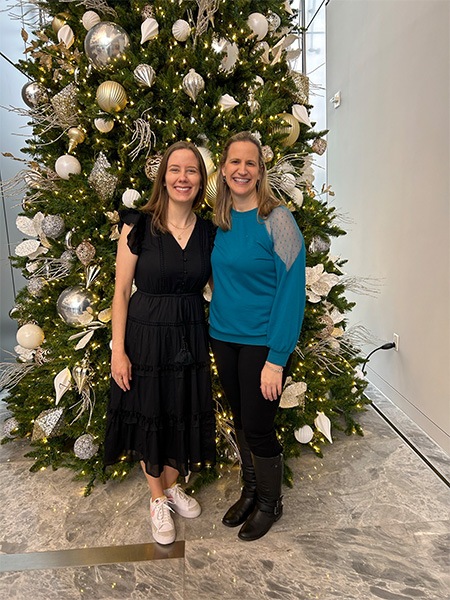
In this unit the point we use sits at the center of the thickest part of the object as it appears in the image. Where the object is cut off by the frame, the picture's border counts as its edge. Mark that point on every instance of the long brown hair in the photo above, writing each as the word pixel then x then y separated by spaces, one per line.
pixel 265 196
pixel 159 199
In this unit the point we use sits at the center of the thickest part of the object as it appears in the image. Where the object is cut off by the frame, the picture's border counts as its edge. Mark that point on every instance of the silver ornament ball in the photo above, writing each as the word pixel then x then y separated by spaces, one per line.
pixel 74 306
pixel 35 285
pixel 85 447
pixel 34 94
pixel 53 226
pixel 105 44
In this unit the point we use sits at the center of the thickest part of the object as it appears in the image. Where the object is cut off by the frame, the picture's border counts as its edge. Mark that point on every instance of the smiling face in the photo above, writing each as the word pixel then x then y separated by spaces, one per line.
pixel 183 176
pixel 241 170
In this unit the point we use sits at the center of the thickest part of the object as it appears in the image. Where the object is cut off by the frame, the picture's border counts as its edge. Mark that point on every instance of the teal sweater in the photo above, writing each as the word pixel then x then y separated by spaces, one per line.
pixel 259 282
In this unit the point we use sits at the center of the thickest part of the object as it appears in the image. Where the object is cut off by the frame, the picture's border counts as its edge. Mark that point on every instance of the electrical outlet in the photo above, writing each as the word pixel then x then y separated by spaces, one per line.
pixel 396 341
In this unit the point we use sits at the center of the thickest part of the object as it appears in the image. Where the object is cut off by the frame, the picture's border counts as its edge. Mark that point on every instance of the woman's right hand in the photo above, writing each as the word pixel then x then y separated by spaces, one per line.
pixel 121 370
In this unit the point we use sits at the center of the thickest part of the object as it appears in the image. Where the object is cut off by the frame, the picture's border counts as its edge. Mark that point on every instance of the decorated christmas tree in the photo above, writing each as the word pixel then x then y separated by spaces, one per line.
pixel 112 83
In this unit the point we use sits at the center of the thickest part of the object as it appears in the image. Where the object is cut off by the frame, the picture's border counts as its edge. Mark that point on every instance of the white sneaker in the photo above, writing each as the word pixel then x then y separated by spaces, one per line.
pixel 163 528
pixel 184 505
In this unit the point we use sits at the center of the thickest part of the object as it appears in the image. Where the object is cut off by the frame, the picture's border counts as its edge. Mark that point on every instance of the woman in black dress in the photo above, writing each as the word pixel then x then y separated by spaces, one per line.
pixel 161 409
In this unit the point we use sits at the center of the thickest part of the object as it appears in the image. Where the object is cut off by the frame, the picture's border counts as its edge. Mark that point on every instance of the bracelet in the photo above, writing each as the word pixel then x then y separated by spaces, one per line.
pixel 274 369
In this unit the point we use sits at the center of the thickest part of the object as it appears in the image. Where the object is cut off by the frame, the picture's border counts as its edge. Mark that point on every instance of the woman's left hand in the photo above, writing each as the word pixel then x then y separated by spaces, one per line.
pixel 271 381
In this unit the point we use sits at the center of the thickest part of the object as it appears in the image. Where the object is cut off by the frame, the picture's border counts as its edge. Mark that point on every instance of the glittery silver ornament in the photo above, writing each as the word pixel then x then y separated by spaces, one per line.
pixel 48 424
pixel 9 427
pixel 35 286
pixel 144 74
pixel 85 252
pixel 85 447
pixel 193 84
pixel 273 21
pixel 318 244
pixel 104 183
pixel 105 43
pixel 152 166
pixel 74 306
pixel 34 94
pixel 319 146
pixel 41 356
pixel 67 257
pixel 65 106
pixel 53 226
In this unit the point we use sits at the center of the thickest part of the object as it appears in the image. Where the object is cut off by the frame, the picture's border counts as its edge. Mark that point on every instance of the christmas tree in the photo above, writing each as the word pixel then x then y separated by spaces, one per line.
pixel 112 84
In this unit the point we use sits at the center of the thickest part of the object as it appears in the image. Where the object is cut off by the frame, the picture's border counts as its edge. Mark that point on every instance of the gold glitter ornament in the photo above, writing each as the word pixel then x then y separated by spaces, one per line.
pixel 111 96
pixel 85 252
pixel 147 12
pixel 152 166
pixel 267 153
pixel 302 84
pixel 76 136
pixel 319 146
pixel 104 183
pixel 48 424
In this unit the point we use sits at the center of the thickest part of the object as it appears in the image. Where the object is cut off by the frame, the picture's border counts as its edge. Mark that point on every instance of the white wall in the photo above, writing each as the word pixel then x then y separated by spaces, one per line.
pixel 12 80
pixel 388 161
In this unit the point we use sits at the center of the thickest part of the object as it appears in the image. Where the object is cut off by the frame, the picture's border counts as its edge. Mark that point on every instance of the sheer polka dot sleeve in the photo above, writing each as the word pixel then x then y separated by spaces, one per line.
pixel 286 236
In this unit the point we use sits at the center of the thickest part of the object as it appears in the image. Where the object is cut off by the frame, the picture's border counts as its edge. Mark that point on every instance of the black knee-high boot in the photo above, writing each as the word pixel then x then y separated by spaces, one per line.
pixel 269 507
pixel 237 513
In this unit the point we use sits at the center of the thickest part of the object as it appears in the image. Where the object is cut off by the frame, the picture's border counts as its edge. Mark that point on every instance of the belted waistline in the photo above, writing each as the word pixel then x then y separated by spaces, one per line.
pixel 176 295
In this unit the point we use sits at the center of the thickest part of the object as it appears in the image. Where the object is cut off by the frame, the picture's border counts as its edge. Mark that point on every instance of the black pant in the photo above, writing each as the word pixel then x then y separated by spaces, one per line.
pixel 239 368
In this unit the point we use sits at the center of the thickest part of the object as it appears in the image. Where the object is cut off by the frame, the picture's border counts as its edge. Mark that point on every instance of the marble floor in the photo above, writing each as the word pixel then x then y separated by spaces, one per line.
pixel 368 521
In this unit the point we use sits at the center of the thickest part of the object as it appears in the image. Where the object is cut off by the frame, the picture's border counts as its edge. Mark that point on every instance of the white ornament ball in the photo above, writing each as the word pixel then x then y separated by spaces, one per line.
pixel 304 434
pixel 130 197
pixel 259 25
pixel 85 447
pixel 103 125
pixel 89 19
pixel 181 30
pixel 30 336
pixel 67 165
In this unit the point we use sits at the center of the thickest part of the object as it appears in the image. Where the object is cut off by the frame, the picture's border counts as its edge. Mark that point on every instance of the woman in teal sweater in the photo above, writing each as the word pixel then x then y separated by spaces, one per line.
pixel 256 315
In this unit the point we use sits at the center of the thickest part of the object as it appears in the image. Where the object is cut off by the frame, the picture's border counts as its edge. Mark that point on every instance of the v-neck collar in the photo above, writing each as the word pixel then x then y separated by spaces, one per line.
pixel 189 238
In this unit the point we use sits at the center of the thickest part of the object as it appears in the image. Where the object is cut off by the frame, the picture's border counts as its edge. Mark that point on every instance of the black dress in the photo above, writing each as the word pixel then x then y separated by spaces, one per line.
pixel 167 417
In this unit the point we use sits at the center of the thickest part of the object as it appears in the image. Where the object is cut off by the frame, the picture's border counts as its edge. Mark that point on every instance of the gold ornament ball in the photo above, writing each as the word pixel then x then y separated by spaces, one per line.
pixel 211 190
pixel 291 130
pixel 111 96
pixel 59 20
pixel 76 136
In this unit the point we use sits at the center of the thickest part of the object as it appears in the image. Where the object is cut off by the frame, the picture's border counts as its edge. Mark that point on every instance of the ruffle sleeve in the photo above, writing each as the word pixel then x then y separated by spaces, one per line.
pixel 137 219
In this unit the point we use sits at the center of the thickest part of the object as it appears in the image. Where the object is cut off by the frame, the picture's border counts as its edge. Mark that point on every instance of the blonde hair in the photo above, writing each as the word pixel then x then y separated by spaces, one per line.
pixel 159 199
pixel 265 197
